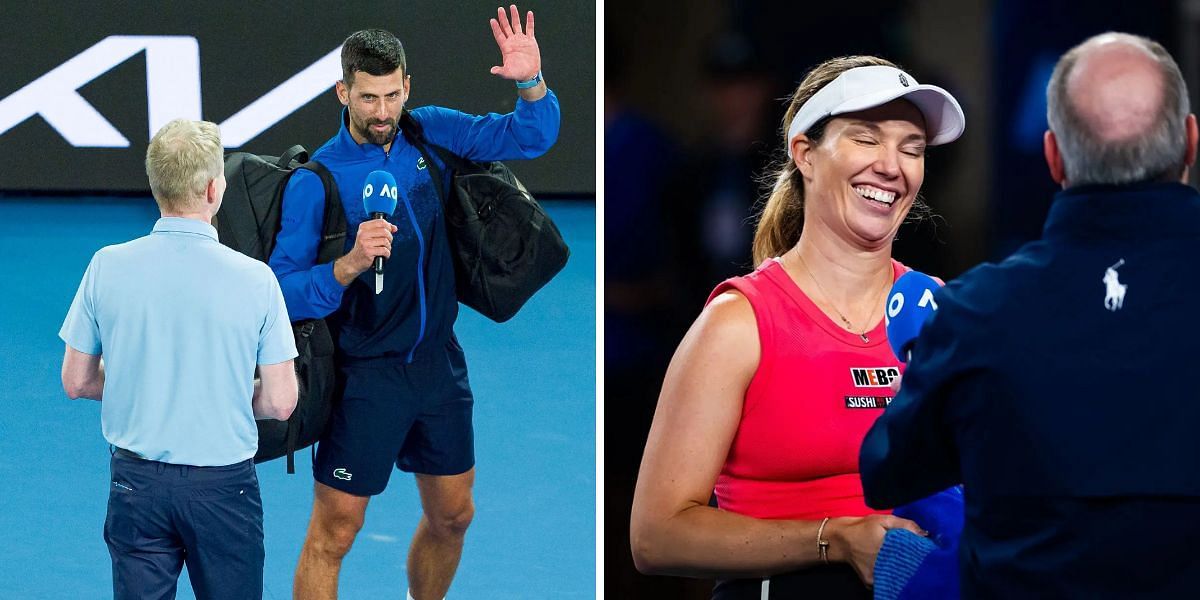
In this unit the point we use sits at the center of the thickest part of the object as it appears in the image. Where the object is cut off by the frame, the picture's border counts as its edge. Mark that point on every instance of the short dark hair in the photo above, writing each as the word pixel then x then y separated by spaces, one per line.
pixel 374 51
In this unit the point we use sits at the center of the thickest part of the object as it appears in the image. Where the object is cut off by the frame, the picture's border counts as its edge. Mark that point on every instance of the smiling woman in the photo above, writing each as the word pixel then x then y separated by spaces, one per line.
pixel 865 171
pixel 760 403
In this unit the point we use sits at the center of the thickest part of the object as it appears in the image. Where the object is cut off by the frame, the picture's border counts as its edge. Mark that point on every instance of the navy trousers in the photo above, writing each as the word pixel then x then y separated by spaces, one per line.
pixel 161 516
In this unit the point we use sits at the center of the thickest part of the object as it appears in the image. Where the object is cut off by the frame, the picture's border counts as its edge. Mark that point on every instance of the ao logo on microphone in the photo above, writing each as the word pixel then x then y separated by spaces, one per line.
pixel 386 191
pixel 896 303
pixel 910 304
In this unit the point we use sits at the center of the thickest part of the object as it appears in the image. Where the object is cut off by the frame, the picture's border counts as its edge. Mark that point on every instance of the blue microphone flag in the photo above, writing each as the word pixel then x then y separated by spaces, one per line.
pixel 380 193
pixel 909 305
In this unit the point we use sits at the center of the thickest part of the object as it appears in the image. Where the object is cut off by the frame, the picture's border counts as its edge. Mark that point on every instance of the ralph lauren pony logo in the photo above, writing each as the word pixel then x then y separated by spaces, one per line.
pixel 1114 290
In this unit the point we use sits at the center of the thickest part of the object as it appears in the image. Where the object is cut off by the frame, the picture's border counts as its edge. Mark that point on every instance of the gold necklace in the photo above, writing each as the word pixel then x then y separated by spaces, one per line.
pixel 825 295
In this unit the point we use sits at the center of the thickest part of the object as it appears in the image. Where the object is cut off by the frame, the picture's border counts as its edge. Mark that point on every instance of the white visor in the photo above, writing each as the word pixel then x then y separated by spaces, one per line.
pixel 861 88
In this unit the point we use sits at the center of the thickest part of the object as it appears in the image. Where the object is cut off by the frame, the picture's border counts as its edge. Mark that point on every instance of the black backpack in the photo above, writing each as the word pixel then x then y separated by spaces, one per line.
pixel 504 245
pixel 248 222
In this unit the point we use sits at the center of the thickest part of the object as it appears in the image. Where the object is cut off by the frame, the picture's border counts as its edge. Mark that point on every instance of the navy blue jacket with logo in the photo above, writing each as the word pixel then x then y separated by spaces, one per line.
pixel 418 306
pixel 1059 387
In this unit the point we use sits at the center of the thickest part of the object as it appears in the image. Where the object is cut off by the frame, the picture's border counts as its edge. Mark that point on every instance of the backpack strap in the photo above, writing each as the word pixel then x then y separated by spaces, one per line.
pixel 296 153
pixel 333 223
pixel 415 134
pixel 293 423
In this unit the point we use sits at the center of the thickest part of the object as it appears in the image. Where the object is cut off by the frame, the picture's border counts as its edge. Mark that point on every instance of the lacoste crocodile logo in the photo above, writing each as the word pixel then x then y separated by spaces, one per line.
pixel 342 474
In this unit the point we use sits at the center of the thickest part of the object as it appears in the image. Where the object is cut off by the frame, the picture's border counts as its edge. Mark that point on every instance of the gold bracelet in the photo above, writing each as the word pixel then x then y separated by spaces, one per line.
pixel 823 545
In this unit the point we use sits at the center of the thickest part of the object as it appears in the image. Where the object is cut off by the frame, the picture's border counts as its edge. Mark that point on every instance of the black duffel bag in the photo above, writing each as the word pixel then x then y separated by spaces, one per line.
pixel 505 246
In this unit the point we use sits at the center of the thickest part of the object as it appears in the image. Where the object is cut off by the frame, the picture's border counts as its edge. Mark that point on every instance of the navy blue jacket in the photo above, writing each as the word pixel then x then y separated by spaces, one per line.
pixel 418 305
pixel 1058 394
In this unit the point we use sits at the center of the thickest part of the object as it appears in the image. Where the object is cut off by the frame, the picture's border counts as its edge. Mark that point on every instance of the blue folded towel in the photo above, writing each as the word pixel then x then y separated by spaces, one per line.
pixel 913 567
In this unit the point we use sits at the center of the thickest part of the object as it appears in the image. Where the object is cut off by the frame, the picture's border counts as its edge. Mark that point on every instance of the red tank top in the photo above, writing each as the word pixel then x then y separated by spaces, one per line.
pixel 817 390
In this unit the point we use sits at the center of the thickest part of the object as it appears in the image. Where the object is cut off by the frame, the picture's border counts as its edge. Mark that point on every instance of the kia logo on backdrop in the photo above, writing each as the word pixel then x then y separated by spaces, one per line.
pixel 79 104
pixel 172 92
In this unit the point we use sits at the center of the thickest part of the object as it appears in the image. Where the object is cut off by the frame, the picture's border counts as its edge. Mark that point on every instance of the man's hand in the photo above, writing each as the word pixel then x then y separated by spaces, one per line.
pixel 374 239
pixel 83 375
pixel 856 540
pixel 521 57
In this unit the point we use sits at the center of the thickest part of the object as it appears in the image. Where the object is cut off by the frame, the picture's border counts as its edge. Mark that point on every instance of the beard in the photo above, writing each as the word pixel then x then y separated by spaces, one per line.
pixel 376 137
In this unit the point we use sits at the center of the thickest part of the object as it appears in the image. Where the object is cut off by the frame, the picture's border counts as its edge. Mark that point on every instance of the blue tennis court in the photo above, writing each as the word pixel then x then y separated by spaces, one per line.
pixel 534 380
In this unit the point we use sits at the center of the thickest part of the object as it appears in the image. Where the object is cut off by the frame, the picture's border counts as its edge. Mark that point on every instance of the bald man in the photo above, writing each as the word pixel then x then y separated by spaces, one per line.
pixel 1057 386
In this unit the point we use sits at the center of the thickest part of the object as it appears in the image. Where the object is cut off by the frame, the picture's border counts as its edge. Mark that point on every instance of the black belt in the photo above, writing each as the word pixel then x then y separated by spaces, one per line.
pixel 127 453
pixel 135 456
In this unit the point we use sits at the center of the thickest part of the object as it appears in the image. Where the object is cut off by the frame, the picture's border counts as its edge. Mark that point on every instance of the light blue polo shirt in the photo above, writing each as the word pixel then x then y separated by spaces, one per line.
pixel 181 322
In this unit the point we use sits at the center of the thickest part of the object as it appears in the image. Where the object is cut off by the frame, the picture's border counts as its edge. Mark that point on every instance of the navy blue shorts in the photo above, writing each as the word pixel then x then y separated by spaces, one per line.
pixel 416 416
pixel 161 516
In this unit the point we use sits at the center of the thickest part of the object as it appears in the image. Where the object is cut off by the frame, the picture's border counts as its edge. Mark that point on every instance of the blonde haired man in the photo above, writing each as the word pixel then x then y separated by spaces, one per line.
pixel 181 322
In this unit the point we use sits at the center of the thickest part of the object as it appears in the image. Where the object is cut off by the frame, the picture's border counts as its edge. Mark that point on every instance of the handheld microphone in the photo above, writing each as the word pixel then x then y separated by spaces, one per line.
pixel 909 305
pixel 379 200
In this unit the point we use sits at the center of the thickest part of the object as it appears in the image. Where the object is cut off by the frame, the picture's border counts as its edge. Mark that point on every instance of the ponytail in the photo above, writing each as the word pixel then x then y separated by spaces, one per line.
pixel 782 216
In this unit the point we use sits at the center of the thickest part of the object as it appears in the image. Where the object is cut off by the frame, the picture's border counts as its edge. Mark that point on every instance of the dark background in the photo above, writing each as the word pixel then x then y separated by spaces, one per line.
pixel 680 162
pixel 249 48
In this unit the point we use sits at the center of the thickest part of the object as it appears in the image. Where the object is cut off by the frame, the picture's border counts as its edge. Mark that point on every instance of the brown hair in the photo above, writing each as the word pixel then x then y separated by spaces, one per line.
pixel 782 217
